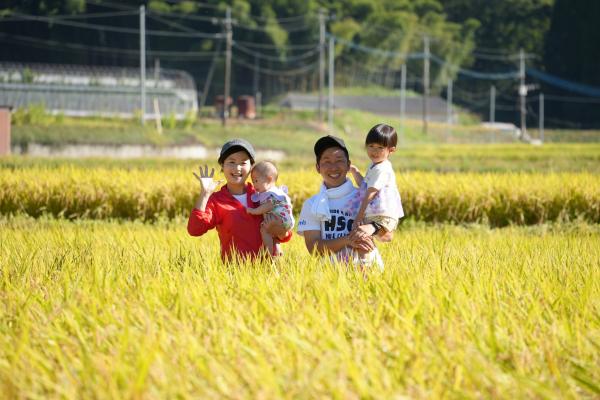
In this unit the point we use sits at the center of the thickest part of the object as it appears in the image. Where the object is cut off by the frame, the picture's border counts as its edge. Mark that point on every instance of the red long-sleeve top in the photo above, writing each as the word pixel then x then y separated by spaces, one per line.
pixel 238 231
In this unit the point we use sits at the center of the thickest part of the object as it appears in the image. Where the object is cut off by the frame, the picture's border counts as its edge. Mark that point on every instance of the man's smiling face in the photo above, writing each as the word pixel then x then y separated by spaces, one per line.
pixel 333 167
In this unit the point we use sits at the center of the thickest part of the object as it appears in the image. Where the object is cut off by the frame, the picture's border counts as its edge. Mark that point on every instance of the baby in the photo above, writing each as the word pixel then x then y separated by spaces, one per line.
pixel 272 200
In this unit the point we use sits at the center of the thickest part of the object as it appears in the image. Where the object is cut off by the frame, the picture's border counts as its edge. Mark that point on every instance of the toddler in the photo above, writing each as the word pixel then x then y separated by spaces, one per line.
pixel 272 200
pixel 380 205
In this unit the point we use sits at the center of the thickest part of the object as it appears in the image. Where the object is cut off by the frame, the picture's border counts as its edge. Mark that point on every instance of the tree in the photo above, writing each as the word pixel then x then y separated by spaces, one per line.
pixel 572 52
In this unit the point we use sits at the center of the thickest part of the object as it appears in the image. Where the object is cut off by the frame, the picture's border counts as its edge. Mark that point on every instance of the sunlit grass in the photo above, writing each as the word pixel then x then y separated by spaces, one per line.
pixel 107 309
pixel 494 199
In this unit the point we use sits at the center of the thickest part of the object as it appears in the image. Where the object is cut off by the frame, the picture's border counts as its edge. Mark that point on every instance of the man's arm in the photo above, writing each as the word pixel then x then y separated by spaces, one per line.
pixel 314 243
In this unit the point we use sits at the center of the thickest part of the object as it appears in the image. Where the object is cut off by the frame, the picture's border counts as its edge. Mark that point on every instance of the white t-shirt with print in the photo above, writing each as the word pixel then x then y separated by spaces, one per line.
pixel 387 202
pixel 343 210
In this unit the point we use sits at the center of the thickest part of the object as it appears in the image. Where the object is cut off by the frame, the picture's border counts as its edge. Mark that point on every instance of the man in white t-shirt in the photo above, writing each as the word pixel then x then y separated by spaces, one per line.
pixel 326 218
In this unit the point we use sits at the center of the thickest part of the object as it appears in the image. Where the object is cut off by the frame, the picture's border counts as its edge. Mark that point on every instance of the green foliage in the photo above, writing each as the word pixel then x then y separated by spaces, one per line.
pixel 169 121
pixel 35 114
pixel 190 119
pixel 27 76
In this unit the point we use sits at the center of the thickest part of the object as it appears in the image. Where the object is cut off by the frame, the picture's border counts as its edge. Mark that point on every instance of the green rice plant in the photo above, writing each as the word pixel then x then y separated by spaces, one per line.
pixel 493 199
pixel 95 309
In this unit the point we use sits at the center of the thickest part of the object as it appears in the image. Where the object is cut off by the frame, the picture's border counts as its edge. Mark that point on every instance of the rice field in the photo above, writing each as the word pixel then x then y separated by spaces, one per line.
pixel 125 309
pixel 496 199
pixel 491 287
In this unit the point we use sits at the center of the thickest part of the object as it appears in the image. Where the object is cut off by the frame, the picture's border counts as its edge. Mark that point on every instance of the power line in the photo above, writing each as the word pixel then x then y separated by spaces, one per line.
pixel 567 99
pixel 372 50
pixel 575 87
pixel 108 4
pixel 36 42
pixel 171 23
pixel 275 58
pixel 109 28
pixel 267 71
pixel 190 17
pixel 275 47
pixel 476 74
pixel 21 17
pixel 260 17
pixel 265 29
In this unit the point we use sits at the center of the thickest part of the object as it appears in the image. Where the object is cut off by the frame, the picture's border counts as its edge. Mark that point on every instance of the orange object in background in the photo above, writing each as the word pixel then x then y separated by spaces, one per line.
pixel 4 131
pixel 219 105
pixel 246 107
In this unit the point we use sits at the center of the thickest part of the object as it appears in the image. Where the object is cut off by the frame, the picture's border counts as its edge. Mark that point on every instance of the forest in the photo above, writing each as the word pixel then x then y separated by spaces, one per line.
pixel 560 39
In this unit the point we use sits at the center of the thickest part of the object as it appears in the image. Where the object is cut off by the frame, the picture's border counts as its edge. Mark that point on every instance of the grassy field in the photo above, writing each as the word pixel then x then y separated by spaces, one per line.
pixel 516 157
pixel 104 295
pixel 132 310
pixel 273 130
pixel 498 199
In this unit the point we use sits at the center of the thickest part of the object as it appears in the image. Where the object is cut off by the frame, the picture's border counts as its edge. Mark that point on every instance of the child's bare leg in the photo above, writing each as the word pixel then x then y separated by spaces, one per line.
pixel 268 241
pixel 277 249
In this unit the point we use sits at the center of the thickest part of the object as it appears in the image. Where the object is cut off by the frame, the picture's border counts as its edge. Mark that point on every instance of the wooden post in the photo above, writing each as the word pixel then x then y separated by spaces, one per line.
pixel 4 131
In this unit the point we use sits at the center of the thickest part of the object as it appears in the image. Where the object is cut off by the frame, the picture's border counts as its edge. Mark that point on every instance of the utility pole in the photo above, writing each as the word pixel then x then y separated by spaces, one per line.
pixel 156 71
pixel 402 99
pixel 542 117
pixel 493 104
pixel 523 95
pixel 257 94
pixel 331 80
pixel 449 110
pixel 321 61
pixel 425 83
pixel 449 102
pixel 209 76
pixel 143 62
pixel 256 76
pixel 229 36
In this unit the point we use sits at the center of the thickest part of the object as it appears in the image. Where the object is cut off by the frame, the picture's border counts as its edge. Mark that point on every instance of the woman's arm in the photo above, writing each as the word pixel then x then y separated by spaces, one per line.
pixel 200 221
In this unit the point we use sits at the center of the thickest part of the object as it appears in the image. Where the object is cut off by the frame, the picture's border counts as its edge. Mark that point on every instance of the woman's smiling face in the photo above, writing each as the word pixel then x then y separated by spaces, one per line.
pixel 236 168
pixel 333 167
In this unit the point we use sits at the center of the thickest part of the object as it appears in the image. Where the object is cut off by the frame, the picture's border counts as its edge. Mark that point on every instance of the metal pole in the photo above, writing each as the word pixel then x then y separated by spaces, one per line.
pixel 209 76
pixel 449 110
pixel 321 61
pixel 402 99
pixel 425 84
pixel 227 65
pixel 542 117
pixel 331 80
pixel 449 102
pixel 156 71
pixel 143 62
pixel 256 76
pixel 493 104
pixel 523 95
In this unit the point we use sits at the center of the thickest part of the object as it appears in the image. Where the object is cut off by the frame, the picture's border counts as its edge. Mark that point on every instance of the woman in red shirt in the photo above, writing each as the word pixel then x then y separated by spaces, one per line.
pixel 225 210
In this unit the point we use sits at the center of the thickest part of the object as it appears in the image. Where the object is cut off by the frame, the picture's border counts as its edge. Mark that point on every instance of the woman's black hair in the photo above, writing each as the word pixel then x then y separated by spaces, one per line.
pixel 383 135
